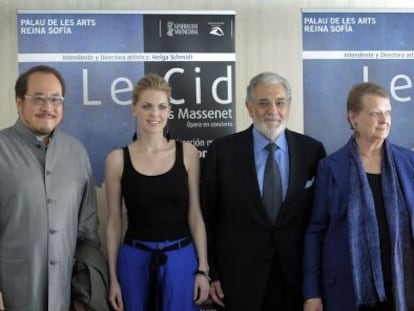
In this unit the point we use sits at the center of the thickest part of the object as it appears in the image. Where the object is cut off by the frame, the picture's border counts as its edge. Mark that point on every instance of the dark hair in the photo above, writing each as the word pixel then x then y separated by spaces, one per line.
pixel 20 87
pixel 358 91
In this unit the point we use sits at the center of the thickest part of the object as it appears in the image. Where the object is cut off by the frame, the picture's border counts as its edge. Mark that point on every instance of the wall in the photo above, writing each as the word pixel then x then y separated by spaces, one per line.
pixel 268 37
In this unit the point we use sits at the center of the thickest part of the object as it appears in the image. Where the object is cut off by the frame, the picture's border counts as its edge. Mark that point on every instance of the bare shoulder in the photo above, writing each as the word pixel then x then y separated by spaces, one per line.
pixel 114 162
pixel 191 157
pixel 115 155
pixel 189 148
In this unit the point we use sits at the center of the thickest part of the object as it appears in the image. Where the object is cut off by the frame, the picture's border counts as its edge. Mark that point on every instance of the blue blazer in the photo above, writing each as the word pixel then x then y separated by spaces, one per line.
pixel 327 261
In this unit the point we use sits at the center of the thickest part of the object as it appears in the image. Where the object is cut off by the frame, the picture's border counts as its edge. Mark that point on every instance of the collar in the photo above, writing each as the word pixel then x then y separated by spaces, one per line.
pixel 23 131
pixel 260 142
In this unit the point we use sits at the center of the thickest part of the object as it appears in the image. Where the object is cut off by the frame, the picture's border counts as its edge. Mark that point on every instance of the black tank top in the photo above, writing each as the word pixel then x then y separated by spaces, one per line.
pixel 157 205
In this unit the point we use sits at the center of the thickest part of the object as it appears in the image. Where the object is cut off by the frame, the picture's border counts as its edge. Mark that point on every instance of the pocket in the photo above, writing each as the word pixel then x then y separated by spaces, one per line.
pixel 13 281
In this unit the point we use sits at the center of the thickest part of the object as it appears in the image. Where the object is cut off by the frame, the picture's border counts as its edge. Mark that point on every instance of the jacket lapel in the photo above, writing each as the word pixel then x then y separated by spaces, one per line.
pixel 296 168
pixel 245 157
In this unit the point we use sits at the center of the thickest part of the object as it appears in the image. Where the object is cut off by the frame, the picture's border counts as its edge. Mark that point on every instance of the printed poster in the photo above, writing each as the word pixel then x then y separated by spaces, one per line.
pixel 102 54
pixel 344 47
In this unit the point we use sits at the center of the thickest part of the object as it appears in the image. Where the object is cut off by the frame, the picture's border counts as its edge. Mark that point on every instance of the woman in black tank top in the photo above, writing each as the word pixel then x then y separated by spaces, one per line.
pixel 162 262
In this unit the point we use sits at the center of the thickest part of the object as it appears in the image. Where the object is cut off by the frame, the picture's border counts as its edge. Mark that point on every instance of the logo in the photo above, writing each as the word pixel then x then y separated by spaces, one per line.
pixel 170 29
pixel 216 31
pixel 181 29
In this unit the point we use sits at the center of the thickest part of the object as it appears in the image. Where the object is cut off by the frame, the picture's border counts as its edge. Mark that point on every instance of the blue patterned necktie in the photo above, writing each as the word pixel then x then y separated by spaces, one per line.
pixel 272 184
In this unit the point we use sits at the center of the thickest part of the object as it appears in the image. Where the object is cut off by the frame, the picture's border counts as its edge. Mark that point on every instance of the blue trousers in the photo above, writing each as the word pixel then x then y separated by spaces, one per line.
pixel 175 277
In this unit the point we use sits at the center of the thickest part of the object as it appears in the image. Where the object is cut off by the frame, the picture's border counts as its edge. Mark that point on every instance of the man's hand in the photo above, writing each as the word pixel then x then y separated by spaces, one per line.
pixel 216 293
pixel 313 304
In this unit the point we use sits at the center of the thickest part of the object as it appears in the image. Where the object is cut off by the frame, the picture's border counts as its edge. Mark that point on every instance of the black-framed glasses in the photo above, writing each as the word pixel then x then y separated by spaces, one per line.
pixel 41 100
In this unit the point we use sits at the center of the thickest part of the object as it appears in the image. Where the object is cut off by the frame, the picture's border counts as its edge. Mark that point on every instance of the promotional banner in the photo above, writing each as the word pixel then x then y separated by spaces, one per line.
pixel 344 47
pixel 102 54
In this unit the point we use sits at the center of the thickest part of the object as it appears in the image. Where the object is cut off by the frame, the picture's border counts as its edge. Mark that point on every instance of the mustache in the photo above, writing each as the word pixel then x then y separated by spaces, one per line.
pixel 46 114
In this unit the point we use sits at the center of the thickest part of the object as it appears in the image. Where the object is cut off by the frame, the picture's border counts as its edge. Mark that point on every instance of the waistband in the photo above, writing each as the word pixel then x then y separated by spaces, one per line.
pixel 180 244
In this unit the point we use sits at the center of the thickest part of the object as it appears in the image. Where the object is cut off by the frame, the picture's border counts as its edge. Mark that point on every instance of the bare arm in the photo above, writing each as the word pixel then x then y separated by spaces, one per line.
pixel 113 172
pixel 196 221
pixel 1 302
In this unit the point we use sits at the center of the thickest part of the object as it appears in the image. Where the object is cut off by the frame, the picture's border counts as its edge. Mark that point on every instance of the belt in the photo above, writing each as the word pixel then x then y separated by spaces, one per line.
pixel 158 258
pixel 172 247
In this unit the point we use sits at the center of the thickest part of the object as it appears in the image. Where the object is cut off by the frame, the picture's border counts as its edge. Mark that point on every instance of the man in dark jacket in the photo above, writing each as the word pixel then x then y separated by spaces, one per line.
pixel 256 253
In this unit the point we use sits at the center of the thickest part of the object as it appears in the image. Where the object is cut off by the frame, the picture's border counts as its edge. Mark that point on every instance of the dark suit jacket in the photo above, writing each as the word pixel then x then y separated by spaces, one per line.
pixel 243 243
pixel 327 261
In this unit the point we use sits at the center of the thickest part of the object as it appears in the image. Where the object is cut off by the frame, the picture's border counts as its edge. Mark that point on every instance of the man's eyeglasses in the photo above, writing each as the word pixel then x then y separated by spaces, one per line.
pixel 41 100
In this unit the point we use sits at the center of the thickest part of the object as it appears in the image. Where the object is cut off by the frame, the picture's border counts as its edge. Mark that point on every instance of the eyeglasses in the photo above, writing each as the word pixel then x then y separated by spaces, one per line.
pixel 41 100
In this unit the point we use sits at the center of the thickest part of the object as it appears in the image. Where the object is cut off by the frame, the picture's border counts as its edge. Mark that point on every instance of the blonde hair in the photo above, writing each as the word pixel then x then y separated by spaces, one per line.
pixel 151 81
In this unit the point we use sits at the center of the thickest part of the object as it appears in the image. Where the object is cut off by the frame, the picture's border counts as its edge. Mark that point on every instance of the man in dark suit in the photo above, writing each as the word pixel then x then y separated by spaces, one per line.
pixel 256 258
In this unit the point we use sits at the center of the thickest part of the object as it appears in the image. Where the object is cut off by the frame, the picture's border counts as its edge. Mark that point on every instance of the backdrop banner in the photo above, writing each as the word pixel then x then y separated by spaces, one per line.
pixel 102 54
pixel 345 47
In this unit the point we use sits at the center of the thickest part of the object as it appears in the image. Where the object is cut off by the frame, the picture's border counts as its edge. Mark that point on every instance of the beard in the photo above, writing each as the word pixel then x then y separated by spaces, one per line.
pixel 270 133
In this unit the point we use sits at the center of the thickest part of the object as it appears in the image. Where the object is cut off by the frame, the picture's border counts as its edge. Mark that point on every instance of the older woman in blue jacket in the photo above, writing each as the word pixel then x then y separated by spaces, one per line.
pixel 358 252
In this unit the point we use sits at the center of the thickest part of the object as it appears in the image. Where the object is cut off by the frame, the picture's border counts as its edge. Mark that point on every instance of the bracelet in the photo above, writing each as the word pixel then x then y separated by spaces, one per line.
pixel 204 273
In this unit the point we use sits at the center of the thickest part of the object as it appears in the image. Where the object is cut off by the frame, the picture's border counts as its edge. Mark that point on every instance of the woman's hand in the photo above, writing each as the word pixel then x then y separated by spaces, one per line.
pixel 201 288
pixel 115 296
